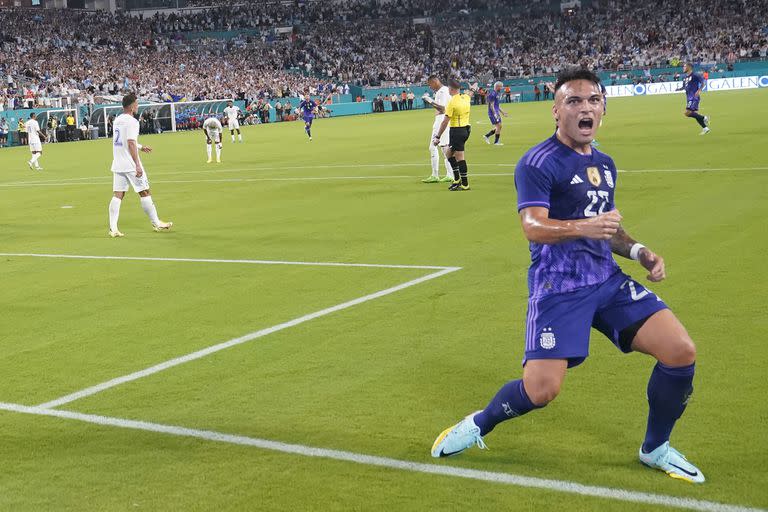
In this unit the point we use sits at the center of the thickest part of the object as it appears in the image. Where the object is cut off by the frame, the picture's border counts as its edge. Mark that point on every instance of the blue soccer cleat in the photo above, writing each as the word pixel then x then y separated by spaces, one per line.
pixel 458 438
pixel 673 463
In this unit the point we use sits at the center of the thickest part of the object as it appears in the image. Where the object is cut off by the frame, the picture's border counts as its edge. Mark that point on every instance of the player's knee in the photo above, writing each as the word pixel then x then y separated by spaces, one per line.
pixel 542 389
pixel 684 353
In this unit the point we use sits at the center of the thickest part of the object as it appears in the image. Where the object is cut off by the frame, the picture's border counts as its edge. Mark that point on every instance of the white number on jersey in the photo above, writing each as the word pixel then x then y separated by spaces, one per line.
pixel 595 196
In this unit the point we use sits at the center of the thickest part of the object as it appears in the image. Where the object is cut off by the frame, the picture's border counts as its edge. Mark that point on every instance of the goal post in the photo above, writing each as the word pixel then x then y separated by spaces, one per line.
pixel 161 117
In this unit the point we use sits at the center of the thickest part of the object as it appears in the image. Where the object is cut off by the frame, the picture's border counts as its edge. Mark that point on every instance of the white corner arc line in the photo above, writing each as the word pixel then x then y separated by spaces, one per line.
pixel 92 390
pixel 563 486
pixel 211 260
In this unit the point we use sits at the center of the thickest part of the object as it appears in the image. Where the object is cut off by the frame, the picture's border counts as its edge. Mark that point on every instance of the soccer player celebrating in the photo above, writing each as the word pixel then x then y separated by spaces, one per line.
pixel 35 144
pixel 308 108
pixel 693 84
pixel 494 114
pixel 457 115
pixel 442 96
pixel 127 168
pixel 212 129
pixel 232 112
pixel 566 203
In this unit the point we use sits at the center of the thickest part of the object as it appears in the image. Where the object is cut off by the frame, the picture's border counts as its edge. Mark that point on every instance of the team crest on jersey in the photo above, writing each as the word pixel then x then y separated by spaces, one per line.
pixel 594 176
pixel 608 178
pixel 547 339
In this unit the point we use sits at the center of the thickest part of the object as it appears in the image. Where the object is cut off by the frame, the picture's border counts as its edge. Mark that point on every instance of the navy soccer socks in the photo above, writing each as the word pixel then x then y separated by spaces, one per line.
pixel 669 389
pixel 510 402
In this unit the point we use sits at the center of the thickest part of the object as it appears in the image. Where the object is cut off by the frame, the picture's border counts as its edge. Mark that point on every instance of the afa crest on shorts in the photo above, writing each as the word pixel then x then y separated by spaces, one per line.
pixel 593 174
pixel 547 339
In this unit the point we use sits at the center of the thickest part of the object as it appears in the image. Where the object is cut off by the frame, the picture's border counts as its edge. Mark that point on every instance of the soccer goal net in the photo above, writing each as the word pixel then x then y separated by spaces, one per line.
pixel 161 117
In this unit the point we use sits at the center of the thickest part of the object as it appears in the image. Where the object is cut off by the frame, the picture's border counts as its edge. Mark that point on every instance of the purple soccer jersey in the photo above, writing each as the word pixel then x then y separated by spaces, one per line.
pixel 494 113
pixel 571 186
pixel 307 107
pixel 691 84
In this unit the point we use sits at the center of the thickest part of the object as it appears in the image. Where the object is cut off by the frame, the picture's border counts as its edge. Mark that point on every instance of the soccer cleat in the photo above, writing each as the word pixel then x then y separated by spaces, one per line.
pixel 705 131
pixel 460 188
pixel 209 160
pixel 310 139
pixel 31 167
pixel 673 463
pixel 487 139
pixel 431 179
pixel 458 438
pixel 498 143
pixel 218 160
pixel 38 168
pixel 446 179
pixel 162 226
pixel 115 234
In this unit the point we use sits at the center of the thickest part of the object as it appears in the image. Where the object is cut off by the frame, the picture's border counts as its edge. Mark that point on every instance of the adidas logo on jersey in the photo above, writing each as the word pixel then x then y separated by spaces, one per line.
pixel 576 180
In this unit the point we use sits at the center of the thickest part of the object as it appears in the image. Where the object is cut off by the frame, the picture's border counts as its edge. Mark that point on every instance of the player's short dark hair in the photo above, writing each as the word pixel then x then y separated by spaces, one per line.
pixel 32 115
pixel 432 77
pixel 129 99
pixel 454 84
pixel 571 74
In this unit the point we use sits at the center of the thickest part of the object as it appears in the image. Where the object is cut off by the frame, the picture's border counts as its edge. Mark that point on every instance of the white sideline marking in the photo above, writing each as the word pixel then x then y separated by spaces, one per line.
pixel 385 462
pixel 209 260
pixel 105 180
pixel 92 390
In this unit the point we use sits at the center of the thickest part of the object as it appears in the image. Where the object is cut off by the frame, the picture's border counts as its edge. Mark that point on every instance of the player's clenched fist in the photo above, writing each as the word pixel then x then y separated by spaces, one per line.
pixel 601 227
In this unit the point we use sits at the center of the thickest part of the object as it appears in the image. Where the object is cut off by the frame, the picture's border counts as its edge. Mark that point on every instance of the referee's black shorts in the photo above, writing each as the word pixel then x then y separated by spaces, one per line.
pixel 458 136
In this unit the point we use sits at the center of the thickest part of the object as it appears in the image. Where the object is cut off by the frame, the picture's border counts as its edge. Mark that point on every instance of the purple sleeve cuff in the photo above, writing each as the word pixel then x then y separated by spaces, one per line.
pixel 520 206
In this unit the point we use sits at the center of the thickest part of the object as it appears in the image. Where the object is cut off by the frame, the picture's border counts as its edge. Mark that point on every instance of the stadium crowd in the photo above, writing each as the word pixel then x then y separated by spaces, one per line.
pixel 81 56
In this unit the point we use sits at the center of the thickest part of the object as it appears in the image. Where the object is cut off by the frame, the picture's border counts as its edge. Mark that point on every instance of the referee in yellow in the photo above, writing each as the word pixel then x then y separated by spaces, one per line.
pixel 457 115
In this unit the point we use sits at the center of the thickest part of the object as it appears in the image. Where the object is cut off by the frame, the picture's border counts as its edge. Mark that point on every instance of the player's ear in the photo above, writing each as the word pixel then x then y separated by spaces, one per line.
pixel 554 112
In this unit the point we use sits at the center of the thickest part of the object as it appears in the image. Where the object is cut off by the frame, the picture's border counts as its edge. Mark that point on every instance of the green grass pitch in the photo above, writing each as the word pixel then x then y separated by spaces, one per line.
pixel 383 377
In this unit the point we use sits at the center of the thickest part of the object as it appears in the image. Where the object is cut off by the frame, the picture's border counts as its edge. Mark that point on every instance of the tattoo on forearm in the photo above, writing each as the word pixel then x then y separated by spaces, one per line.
pixel 621 243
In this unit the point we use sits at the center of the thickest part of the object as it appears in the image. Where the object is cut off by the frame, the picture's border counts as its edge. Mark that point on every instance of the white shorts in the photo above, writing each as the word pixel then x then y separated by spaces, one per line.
pixel 444 139
pixel 123 179
pixel 36 147
pixel 213 135
pixel 234 124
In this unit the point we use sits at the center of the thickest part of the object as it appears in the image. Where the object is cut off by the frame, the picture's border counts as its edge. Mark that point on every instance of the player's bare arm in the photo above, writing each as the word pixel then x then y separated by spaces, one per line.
pixel 626 246
pixel 539 228
pixel 440 108
pixel 133 149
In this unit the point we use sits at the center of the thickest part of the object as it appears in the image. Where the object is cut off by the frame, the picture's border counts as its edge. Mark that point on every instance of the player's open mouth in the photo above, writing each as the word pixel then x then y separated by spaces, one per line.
pixel 585 123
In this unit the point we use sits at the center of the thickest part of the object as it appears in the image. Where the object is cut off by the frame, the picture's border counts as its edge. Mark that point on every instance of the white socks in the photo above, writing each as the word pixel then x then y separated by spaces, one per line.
pixel 209 149
pixel 34 159
pixel 149 208
pixel 218 152
pixel 448 168
pixel 114 213
pixel 434 153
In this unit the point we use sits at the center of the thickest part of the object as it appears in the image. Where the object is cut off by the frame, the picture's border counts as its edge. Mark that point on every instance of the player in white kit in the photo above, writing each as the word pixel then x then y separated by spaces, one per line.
pixel 442 97
pixel 127 168
pixel 35 144
pixel 212 129
pixel 233 112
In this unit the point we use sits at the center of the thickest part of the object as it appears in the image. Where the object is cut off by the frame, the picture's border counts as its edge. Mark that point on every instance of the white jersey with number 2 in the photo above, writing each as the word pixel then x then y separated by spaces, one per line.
pixel 125 128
